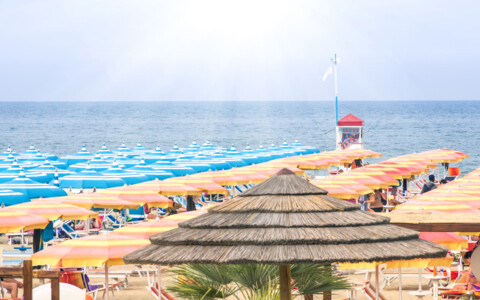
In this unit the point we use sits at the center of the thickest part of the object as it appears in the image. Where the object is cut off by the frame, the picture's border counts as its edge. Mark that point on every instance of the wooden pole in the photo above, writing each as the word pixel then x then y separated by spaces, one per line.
pixel 307 297
pixel 106 280
pixel 285 282
pixel 27 279
pixel 377 284
pixel 327 295
pixel 55 286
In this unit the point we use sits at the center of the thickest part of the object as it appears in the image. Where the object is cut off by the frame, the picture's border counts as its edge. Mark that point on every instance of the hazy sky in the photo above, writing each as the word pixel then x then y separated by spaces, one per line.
pixel 69 50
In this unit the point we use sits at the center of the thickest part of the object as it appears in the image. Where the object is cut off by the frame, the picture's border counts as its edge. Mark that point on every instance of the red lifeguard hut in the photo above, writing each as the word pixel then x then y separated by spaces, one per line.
pixel 349 132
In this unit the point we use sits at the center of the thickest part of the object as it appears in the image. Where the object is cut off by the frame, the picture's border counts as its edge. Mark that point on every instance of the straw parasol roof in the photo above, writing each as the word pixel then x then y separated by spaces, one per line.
pixel 284 220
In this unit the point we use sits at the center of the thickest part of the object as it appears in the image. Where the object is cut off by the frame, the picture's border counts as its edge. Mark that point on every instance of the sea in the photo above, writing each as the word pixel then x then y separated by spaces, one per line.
pixel 392 128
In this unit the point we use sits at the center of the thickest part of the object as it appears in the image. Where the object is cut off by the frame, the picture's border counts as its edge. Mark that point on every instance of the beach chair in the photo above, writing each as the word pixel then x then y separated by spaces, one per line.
pixel 162 294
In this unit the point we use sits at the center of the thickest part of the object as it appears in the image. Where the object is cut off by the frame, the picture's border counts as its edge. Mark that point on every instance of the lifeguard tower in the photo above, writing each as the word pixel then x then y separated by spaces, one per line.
pixel 349 132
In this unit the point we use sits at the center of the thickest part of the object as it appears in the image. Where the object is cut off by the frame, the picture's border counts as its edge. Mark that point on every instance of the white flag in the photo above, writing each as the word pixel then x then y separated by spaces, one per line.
pixel 328 72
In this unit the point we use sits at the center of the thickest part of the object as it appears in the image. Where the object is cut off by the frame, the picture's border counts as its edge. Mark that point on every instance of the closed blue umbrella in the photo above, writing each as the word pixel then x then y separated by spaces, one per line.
pixel 128 177
pixel 89 179
pixel 9 197
pixel 32 188
pixel 151 173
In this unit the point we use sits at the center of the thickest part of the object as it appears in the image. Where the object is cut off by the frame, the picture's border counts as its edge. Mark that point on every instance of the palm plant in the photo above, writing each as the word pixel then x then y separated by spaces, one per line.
pixel 258 282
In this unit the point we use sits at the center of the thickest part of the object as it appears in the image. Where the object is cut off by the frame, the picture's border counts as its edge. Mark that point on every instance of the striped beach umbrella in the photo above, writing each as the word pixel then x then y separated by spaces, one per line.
pixel 167 188
pixel 89 179
pixel 139 197
pixel 8 197
pixel 203 184
pixel 449 239
pixel 54 210
pixel 144 230
pixel 32 188
pixel 92 200
pixel 12 220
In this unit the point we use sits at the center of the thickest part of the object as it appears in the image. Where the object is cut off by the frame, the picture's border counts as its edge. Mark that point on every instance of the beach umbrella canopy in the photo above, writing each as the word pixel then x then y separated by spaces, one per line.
pixel 349 184
pixel 203 184
pixel 97 163
pixel 89 179
pixel 9 197
pixel 51 170
pixel 93 200
pixel 144 230
pixel 128 177
pixel 448 239
pixel 82 156
pixel 95 251
pixel 167 188
pixel 105 152
pixel 54 210
pixel 15 170
pixel 12 220
pixel 151 173
pixel 140 197
pixel 32 188
pixel 177 170
pixel 284 220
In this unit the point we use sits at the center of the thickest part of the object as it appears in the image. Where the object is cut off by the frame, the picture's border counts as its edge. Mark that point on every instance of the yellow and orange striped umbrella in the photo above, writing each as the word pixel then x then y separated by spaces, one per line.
pixel 139 197
pixel 166 188
pixel 349 184
pixel 366 180
pixel 204 184
pixel 337 191
pixel 224 178
pixel 93 251
pixel 54 210
pixel 144 230
pixel 94 200
pixel 12 220
pixel 449 239
pixel 439 206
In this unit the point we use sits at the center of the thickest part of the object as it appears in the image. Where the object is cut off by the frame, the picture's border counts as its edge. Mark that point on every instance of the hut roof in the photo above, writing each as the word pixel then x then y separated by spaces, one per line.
pixel 281 221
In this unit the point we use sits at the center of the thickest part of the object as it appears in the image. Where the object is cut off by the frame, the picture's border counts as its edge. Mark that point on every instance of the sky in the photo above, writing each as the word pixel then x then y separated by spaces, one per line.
pixel 223 50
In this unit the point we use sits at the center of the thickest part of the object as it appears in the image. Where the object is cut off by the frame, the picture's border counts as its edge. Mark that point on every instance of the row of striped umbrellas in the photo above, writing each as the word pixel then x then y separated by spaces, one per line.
pixel 365 180
pixel 461 195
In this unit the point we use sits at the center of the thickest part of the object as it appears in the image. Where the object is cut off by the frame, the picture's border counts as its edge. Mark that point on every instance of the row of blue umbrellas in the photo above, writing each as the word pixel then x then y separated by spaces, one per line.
pixel 35 174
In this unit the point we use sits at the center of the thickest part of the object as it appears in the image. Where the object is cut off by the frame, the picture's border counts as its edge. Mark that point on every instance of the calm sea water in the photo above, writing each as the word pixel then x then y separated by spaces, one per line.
pixel 392 128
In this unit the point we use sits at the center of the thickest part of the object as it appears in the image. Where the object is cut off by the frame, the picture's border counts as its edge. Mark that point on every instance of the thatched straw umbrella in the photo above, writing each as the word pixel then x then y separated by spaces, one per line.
pixel 285 220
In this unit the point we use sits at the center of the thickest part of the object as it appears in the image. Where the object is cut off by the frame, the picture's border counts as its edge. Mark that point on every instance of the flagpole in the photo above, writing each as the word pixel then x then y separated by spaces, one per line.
pixel 336 88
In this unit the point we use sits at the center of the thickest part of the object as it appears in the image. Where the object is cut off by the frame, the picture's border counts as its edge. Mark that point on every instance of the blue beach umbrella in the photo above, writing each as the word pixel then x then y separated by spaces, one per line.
pixel 170 167
pixel 128 177
pixel 125 151
pixel 208 146
pixel 198 166
pixel 32 188
pixel 9 197
pixel 151 173
pixel 15 170
pixel 139 149
pixel 89 179
pixel 82 156
pixel 51 170
pixel 125 162
pixel 104 151
pixel 97 163
pixel 9 152
pixel 175 150
pixel 155 156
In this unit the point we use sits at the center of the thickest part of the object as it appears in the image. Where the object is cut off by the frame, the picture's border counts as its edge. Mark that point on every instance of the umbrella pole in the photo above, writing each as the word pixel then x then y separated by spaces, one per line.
pixel 106 280
pixel 159 284
pixel 377 286
pixel 23 238
pixel 420 280
pixel 87 225
pixel 399 283
pixel 285 281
